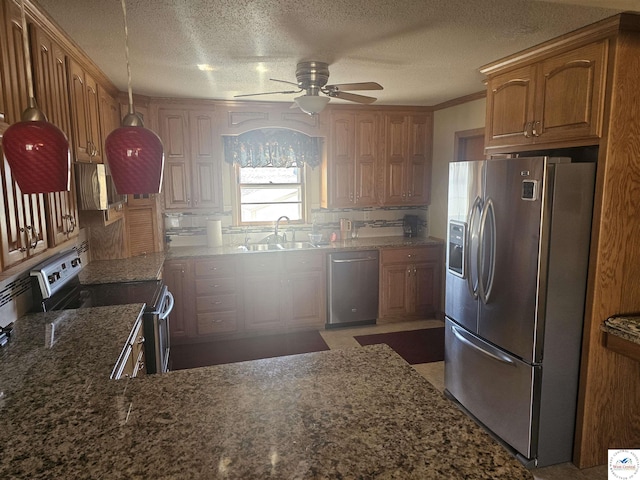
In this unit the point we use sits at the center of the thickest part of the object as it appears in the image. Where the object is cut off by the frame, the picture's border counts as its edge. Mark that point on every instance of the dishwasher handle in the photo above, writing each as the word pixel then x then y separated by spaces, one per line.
pixel 354 260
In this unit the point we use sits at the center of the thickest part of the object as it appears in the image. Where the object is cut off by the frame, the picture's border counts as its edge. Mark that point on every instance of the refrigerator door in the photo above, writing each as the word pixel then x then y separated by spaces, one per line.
pixel 508 259
pixel 495 387
pixel 464 211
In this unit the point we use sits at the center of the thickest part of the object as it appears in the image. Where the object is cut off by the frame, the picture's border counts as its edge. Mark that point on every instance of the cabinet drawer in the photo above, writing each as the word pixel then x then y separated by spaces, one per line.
pixel 209 323
pixel 216 286
pixel 303 261
pixel 410 255
pixel 215 267
pixel 216 303
pixel 261 262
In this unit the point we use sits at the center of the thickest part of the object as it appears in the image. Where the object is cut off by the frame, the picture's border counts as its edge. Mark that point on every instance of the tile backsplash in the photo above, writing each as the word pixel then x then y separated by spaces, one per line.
pixel 15 291
pixel 186 229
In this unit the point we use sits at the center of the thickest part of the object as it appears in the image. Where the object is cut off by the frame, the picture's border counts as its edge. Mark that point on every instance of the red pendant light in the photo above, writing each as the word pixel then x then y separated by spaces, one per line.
pixel 135 157
pixel 134 154
pixel 37 151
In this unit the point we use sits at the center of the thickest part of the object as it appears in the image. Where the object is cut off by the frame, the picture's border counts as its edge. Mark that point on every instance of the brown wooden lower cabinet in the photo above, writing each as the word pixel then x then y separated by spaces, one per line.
pixel 275 291
pixel 217 296
pixel 284 290
pixel 178 276
pixel 410 282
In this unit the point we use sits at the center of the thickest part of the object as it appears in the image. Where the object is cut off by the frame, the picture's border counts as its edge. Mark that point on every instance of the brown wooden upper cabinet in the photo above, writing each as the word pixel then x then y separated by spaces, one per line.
pixel 351 173
pixel 407 159
pixel 192 152
pixel 87 136
pixel 377 158
pixel 50 78
pixel 557 99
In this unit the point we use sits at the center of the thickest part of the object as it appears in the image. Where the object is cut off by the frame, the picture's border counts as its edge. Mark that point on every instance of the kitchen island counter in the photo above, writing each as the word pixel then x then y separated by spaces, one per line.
pixel 353 413
pixel 622 335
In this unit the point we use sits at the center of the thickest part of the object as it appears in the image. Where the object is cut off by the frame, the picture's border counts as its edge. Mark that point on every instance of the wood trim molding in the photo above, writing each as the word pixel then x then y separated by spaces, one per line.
pixel 474 132
pixel 460 100
pixel 591 33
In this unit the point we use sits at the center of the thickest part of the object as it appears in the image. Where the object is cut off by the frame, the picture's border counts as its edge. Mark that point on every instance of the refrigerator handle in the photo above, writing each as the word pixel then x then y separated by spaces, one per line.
pixel 484 291
pixel 472 284
pixel 495 355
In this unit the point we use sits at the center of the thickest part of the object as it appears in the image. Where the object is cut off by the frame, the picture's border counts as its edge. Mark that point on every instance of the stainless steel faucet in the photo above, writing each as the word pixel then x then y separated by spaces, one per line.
pixel 284 237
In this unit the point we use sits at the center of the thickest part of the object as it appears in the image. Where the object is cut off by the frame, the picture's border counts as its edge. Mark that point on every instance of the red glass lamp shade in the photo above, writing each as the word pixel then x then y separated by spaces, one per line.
pixel 38 154
pixel 136 160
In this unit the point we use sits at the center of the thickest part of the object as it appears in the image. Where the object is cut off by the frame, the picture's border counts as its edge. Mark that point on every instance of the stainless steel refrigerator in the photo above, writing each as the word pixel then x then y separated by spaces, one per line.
pixel 517 259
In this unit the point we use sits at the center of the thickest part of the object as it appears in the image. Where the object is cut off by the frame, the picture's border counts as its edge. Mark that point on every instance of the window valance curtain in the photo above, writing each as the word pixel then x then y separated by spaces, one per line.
pixel 273 148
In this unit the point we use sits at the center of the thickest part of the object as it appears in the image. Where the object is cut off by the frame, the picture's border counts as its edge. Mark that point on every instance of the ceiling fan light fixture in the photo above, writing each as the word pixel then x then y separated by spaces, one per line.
pixel 312 104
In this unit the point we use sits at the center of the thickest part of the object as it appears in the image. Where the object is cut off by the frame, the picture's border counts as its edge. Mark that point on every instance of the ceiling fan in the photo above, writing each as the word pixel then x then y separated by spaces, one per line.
pixel 312 79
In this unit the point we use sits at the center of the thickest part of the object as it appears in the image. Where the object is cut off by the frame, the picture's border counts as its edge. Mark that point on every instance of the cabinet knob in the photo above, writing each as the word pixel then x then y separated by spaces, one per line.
pixel 527 127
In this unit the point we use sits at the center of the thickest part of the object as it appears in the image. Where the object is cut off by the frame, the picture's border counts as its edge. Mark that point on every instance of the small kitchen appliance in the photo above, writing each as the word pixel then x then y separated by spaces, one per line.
pixel 410 225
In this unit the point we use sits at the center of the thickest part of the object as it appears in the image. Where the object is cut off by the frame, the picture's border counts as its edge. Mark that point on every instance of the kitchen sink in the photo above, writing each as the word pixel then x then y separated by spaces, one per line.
pixel 263 247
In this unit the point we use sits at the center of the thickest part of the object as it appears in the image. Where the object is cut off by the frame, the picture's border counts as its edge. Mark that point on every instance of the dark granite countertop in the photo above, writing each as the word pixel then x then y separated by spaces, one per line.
pixel 624 326
pixel 351 244
pixel 133 269
pixel 353 413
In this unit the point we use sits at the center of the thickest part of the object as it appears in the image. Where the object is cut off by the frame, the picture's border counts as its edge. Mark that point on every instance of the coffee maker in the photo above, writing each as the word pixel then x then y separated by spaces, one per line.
pixel 410 225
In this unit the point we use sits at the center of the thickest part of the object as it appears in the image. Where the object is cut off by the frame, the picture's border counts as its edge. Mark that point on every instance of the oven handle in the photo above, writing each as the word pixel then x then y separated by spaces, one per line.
pixel 165 313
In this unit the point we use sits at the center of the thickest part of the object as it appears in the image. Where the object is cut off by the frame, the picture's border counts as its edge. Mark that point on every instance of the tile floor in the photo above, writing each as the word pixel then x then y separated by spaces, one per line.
pixel 434 373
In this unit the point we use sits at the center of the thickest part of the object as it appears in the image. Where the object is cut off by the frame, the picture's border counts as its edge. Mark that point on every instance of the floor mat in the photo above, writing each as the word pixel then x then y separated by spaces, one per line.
pixel 240 350
pixel 415 346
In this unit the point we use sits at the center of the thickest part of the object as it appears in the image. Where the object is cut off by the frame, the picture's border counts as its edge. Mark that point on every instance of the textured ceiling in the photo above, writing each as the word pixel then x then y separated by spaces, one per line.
pixel 423 52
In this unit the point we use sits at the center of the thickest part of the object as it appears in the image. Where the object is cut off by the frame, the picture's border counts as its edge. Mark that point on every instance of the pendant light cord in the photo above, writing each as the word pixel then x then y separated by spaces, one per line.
pixel 126 51
pixel 27 55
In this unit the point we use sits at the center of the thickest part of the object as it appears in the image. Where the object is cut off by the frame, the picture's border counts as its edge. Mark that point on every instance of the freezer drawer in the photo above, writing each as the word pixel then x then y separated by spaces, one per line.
pixel 493 386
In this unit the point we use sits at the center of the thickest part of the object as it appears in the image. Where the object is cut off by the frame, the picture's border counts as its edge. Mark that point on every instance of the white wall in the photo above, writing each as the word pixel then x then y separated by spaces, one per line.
pixel 446 123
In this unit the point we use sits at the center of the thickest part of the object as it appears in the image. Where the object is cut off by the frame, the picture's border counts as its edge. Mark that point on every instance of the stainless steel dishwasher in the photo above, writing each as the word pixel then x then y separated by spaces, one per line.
pixel 353 288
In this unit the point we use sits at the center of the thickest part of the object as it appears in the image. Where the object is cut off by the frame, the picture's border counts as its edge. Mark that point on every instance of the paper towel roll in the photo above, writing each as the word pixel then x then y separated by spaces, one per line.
pixel 214 233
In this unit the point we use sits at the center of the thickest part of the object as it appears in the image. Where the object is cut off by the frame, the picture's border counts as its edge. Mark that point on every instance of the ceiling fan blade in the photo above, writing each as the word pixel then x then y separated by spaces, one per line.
pixel 266 93
pixel 352 97
pixel 345 87
pixel 284 81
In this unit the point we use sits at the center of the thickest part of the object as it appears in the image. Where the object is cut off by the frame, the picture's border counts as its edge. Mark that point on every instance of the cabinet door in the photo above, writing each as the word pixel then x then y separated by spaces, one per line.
pixel 570 94
pixel 142 229
pixel 173 126
pixel 15 81
pixel 395 291
pixel 85 114
pixel 395 159
pixel 305 299
pixel 109 110
pixel 178 276
pixel 427 280
pixel 262 309
pixel 263 286
pixel 341 160
pixel 510 104
pixel 23 231
pixel 366 159
pixel 206 161
pixel 50 78
pixel 419 160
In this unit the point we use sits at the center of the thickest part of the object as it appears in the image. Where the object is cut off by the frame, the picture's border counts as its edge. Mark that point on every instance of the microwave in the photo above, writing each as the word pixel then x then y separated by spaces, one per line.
pixel 95 187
